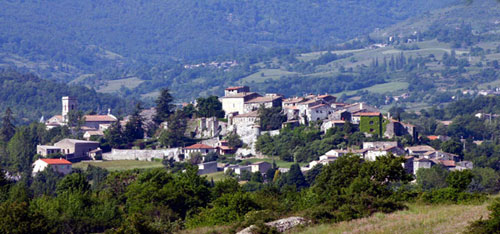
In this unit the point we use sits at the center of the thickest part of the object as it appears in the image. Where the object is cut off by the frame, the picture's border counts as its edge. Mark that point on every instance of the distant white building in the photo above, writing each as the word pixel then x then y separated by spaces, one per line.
pixel 61 166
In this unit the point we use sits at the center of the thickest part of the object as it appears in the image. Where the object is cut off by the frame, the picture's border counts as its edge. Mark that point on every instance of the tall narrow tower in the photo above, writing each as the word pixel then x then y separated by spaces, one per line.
pixel 68 104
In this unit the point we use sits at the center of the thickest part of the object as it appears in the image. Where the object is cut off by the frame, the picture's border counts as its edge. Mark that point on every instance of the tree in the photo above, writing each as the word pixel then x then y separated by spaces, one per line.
pixel 21 149
pixel 432 178
pixel 209 107
pixel 234 141
pixel 257 177
pixel 8 129
pixel 459 180
pixel 174 136
pixel 114 135
pixel 134 128
pixel 271 118
pixel 164 106
pixel 452 146
pixel 295 177
pixel 75 182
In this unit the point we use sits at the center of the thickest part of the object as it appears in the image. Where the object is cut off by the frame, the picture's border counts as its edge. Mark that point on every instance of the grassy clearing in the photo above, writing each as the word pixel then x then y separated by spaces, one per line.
pixel 381 88
pixel 115 85
pixel 417 219
pixel 119 165
pixel 280 163
pixel 218 176
pixel 265 74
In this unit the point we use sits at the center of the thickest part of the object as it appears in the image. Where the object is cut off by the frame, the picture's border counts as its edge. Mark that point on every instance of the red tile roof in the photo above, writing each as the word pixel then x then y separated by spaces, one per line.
pixel 447 163
pixel 56 161
pixel 99 118
pixel 432 138
pixel 368 114
pixel 199 146
pixel 235 88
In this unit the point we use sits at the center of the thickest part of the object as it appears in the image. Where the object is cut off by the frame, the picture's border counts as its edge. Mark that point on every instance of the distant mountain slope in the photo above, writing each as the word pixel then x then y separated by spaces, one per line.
pixel 482 15
pixel 30 97
pixel 74 37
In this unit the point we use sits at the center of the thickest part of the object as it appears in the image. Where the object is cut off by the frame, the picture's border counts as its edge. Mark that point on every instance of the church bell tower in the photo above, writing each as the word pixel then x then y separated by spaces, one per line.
pixel 68 104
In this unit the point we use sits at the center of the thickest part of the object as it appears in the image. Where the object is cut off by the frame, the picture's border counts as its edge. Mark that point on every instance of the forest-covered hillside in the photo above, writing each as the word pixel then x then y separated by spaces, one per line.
pixel 64 39
pixel 30 97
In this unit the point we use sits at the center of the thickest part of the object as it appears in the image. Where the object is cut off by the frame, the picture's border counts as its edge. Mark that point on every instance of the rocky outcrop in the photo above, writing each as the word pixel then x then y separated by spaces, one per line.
pixel 281 225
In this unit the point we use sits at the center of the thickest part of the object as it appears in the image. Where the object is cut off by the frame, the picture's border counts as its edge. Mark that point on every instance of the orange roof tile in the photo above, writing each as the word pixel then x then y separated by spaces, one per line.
pixel 432 138
pixel 55 161
pixel 368 114
pixel 199 146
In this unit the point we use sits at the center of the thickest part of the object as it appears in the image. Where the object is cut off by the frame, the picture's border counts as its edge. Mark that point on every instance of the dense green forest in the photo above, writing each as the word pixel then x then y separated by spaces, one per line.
pixel 31 97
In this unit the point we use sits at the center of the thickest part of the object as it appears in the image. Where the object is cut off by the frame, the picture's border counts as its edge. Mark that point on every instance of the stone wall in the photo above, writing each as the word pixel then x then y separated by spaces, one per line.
pixel 142 155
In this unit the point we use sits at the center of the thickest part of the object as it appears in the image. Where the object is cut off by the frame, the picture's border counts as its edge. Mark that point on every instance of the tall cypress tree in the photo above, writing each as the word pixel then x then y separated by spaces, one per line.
pixel 8 129
pixel 164 106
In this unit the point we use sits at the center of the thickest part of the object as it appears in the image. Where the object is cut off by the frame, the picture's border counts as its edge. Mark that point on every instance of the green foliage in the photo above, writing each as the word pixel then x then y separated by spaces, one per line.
pixel 226 209
pixel 75 183
pixel 134 129
pixel 452 146
pixel 305 144
pixel 459 180
pixel 209 107
pixel 174 136
pixel 164 106
pixel 485 180
pixel 21 149
pixel 451 195
pixel 271 118
pixel 18 218
pixel 30 97
pixel 432 178
pixel 8 129
pixel 234 141
pixel 371 125
pixel 490 225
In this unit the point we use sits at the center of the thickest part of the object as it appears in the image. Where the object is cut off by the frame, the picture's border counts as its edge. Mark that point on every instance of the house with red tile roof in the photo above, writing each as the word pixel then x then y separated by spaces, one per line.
pixel 61 166
pixel 198 148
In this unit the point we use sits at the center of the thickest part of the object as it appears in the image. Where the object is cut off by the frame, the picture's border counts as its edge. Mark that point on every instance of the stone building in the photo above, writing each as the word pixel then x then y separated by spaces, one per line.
pixel 60 166
pixel 76 149
pixel 45 150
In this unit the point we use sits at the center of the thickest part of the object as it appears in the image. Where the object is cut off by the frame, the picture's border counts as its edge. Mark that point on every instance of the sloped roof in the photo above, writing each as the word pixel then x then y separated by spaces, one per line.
pixel 199 146
pixel 367 114
pixel 56 161
pixel 235 88
pixel 421 148
pixel 249 114
pixel 99 118
pixel 263 99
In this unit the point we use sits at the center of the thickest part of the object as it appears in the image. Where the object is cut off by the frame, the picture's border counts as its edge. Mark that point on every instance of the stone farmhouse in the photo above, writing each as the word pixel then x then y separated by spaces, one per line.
pixel 72 149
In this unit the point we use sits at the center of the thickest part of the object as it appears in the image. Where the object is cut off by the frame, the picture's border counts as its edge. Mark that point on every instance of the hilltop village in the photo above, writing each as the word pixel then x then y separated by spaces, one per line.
pixel 243 118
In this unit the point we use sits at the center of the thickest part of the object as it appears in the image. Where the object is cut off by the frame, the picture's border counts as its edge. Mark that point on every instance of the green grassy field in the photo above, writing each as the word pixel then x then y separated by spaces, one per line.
pixel 115 85
pixel 417 219
pixel 218 176
pixel 119 165
pixel 265 74
pixel 279 163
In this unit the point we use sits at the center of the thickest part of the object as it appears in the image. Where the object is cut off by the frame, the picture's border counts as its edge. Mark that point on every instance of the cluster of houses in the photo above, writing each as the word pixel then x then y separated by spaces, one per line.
pixel 241 110
pixel 417 157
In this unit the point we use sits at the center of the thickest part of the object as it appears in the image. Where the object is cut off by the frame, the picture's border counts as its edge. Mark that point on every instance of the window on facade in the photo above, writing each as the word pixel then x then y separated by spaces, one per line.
pixel 371 122
pixel 371 130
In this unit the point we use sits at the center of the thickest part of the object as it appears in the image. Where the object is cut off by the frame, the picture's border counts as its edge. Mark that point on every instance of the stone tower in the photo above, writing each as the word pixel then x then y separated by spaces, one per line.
pixel 68 104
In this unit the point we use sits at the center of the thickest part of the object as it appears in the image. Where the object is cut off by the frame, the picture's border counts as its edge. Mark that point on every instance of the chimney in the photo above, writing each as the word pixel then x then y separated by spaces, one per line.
pixel 109 111
pixel 361 106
